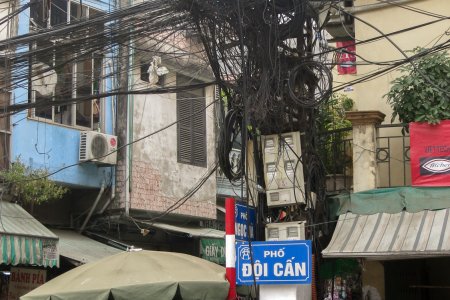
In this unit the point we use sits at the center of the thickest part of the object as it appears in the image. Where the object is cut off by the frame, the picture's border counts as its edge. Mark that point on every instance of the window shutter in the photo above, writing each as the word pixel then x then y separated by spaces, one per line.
pixel 191 143
pixel 184 150
pixel 199 132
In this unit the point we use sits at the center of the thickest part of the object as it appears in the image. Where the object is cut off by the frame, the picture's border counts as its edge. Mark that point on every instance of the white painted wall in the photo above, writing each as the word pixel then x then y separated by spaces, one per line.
pixel 369 95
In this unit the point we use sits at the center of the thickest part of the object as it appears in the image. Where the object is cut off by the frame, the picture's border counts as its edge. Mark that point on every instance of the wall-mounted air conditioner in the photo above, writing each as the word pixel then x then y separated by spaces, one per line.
pixel 98 148
pixel 283 172
pixel 285 231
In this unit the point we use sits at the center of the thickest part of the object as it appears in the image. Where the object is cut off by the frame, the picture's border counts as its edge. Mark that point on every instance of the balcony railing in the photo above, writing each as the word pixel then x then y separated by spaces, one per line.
pixel 336 154
pixel 392 155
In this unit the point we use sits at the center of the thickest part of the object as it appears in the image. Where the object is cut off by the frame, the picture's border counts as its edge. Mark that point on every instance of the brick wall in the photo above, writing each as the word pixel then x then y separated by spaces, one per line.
pixel 146 194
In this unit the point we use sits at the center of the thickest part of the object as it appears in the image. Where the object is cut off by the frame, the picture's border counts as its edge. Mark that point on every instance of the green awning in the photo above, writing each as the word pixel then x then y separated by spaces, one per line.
pixel 80 249
pixel 394 200
pixel 25 241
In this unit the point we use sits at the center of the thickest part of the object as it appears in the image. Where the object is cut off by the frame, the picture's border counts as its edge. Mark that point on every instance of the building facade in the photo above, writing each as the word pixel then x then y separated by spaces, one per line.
pixel 167 185
pixel 395 248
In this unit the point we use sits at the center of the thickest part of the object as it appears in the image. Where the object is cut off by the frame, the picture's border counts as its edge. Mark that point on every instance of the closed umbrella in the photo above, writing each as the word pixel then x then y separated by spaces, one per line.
pixel 138 275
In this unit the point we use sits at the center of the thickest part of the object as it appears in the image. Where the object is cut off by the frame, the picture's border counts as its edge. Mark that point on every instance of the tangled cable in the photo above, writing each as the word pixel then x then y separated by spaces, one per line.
pixel 231 130
pixel 309 83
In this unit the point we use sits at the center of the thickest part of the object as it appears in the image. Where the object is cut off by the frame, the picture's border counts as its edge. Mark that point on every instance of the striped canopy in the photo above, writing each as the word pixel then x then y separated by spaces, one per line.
pixel 25 241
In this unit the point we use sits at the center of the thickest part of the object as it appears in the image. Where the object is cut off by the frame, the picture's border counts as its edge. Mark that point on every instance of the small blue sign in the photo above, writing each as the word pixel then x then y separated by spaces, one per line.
pixel 277 262
pixel 245 220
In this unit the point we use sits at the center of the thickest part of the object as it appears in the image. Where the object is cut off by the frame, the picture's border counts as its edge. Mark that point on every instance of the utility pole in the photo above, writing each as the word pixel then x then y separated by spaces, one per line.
pixel 122 178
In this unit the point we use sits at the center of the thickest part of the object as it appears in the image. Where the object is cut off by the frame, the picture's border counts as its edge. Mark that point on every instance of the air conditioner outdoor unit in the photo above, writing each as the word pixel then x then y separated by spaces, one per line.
pixel 98 148
pixel 283 172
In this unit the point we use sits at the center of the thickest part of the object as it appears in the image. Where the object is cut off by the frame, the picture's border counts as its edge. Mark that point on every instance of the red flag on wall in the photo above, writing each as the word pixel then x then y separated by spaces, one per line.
pixel 346 58
pixel 430 154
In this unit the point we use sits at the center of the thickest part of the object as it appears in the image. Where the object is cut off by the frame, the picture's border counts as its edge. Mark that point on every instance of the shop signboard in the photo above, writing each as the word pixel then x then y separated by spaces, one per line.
pixel 213 250
pixel 245 220
pixel 430 153
pixel 274 262
pixel 24 280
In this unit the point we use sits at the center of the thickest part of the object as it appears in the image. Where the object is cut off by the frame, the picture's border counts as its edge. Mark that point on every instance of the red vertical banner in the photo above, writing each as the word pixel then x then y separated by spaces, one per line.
pixel 346 57
pixel 430 154
pixel 230 246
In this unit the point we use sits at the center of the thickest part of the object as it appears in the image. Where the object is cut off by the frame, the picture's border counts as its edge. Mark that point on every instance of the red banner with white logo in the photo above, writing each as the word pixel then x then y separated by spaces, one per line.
pixel 430 153
pixel 346 57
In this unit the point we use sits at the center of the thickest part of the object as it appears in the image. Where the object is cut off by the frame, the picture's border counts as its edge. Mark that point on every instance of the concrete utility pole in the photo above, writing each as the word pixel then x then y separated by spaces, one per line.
pixel 122 187
pixel 295 291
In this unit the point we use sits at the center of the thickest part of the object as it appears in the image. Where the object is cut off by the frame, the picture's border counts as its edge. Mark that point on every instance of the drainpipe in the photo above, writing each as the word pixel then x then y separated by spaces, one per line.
pixel 102 210
pixel 113 188
pixel 111 197
pixel 88 217
pixel 127 167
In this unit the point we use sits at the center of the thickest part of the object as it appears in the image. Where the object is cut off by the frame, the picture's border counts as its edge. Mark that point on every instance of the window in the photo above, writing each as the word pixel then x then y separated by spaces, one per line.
pixel 144 72
pixel 58 76
pixel 191 128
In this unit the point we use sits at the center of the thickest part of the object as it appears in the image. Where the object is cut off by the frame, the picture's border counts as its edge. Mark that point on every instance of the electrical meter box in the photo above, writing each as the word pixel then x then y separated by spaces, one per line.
pixel 285 231
pixel 283 171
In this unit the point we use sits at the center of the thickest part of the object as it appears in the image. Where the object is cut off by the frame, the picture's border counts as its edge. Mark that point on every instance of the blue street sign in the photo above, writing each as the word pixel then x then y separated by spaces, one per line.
pixel 275 262
pixel 244 222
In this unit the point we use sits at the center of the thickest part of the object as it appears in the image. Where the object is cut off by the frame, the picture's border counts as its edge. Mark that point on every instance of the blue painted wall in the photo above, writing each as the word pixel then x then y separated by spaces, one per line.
pixel 55 147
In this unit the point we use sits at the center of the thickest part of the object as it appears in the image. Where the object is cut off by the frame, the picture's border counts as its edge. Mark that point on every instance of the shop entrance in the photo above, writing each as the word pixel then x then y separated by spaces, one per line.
pixel 417 279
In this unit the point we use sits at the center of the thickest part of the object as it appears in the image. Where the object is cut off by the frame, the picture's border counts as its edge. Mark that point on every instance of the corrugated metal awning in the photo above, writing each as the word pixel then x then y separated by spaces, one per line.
pixel 23 240
pixel 191 231
pixel 386 236
pixel 82 249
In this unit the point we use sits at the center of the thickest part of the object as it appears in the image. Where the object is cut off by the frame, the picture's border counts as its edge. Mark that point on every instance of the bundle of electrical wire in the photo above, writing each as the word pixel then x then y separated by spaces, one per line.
pixel 229 132
pixel 309 83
